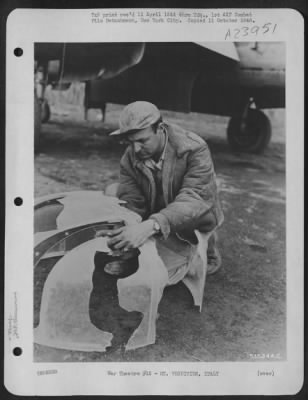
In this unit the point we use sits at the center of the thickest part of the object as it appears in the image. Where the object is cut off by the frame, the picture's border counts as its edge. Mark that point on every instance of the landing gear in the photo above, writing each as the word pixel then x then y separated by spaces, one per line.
pixel 250 131
pixel 41 115
pixel 45 111
pixel 37 122
pixel 41 106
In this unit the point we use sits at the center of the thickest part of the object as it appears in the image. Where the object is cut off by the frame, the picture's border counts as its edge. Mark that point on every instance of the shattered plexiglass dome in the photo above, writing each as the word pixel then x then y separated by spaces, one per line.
pixel 71 230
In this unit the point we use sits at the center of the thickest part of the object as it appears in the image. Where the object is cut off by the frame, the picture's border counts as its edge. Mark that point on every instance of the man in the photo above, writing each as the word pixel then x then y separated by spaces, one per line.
pixel 167 177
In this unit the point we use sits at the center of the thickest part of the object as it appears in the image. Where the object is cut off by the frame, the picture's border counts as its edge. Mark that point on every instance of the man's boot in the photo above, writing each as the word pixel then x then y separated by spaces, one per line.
pixel 213 255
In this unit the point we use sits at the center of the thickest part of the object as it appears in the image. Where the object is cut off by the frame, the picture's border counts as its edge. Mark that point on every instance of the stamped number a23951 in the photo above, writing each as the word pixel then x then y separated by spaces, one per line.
pixel 255 30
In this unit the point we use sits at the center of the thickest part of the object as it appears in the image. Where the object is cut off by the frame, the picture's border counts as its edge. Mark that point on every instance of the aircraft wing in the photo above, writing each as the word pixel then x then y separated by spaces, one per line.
pixel 213 77
pixel 226 49
pixel 86 61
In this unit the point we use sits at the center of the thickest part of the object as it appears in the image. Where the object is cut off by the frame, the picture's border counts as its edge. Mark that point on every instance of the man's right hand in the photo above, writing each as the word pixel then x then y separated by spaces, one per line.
pixel 131 236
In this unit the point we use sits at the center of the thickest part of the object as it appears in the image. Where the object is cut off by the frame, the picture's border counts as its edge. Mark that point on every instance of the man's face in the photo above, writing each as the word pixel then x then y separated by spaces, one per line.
pixel 146 143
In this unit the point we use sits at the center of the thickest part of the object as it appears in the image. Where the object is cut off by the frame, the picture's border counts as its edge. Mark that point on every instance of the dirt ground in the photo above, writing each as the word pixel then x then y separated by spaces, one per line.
pixel 244 307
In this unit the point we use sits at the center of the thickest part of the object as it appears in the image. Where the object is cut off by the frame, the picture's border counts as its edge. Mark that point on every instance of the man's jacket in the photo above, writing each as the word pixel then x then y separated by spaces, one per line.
pixel 188 181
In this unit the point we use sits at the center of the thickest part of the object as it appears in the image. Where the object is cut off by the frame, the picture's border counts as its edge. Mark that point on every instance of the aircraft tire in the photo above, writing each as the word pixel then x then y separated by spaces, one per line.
pixel 37 123
pixel 45 111
pixel 256 135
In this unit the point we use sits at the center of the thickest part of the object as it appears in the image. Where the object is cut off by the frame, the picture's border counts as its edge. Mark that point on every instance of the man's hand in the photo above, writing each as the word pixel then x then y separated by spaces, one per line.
pixel 131 236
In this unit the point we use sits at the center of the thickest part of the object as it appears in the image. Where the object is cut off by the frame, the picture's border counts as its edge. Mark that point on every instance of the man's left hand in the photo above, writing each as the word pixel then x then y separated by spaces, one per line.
pixel 131 236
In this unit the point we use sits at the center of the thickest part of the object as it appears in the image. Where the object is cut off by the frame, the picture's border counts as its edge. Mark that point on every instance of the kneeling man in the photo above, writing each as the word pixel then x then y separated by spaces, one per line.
pixel 167 177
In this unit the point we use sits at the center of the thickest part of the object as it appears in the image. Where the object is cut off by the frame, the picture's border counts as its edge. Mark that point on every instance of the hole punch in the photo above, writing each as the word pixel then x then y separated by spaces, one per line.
pixel 17 351
pixel 18 201
pixel 18 52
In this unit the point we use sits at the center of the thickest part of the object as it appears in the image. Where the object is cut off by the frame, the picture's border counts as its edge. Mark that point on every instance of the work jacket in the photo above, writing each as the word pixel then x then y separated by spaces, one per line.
pixel 188 183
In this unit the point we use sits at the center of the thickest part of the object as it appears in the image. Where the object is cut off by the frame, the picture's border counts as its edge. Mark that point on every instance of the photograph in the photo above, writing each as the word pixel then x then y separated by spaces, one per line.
pixel 178 150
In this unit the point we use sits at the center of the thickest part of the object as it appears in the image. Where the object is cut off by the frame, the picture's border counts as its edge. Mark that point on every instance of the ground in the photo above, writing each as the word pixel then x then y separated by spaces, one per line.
pixel 244 309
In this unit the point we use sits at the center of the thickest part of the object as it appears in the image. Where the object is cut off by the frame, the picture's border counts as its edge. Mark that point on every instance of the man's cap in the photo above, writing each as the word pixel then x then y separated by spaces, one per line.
pixel 136 116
